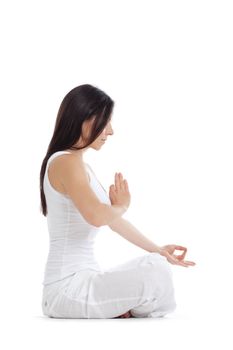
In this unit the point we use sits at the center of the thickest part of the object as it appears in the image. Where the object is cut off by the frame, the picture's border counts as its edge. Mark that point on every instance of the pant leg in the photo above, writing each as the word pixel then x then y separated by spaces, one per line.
pixel 159 296
pixel 142 285
pixel 161 300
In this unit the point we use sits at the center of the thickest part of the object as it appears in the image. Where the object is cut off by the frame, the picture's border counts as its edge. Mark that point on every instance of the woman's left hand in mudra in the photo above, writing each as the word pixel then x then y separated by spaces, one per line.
pixel 176 259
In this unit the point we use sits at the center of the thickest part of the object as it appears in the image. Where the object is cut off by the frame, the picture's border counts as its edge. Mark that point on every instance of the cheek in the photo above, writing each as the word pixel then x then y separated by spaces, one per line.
pixel 101 136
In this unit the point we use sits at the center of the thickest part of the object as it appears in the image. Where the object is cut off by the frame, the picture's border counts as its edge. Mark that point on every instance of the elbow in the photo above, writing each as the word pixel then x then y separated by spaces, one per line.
pixel 97 222
pixel 93 221
pixel 97 219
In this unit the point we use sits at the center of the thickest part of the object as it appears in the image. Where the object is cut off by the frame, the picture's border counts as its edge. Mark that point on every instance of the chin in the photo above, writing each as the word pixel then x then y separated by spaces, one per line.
pixel 96 147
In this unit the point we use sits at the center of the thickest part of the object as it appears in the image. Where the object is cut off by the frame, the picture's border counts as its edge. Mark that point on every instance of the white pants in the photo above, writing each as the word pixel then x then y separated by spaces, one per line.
pixel 142 285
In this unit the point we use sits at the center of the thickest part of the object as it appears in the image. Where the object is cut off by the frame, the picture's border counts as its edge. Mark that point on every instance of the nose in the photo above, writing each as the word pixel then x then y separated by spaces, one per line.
pixel 110 130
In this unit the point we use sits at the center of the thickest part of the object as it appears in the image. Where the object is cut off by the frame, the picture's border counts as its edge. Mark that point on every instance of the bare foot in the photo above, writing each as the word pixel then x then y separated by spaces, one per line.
pixel 126 315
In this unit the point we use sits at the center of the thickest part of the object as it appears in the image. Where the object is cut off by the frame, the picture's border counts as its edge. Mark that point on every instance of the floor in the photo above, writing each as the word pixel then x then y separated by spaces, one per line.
pixel 190 330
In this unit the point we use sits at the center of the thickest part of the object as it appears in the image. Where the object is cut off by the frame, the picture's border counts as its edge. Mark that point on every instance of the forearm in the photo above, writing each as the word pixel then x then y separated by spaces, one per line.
pixel 133 235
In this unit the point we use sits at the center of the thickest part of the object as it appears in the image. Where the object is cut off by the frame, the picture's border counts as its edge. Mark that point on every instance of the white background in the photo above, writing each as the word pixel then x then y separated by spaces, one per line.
pixel 168 67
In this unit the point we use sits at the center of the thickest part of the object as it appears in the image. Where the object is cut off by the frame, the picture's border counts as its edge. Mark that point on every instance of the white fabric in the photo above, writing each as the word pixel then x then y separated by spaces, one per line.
pixel 74 284
pixel 71 237
pixel 142 285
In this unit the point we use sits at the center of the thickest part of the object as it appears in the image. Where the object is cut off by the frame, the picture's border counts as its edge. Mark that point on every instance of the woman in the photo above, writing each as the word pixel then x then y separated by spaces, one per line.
pixel 76 206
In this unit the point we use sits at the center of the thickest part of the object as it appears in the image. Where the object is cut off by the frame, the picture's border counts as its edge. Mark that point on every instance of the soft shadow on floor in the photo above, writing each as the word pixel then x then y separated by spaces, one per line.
pixel 130 319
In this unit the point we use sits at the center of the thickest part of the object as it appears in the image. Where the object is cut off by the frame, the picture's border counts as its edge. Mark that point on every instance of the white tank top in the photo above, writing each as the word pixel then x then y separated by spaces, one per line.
pixel 71 237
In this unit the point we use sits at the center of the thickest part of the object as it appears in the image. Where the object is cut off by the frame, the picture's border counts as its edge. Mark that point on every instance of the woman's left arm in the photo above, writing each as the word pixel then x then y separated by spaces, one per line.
pixel 133 235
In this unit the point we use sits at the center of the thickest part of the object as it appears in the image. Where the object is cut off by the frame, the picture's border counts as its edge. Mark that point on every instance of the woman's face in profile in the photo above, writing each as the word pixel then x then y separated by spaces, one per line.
pixel 102 138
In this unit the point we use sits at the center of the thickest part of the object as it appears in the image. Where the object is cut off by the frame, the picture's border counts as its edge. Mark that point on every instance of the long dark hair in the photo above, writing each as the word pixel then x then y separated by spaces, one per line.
pixel 82 103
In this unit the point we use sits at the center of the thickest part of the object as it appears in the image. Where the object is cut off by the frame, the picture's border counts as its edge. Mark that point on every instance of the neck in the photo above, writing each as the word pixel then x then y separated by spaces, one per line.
pixel 79 153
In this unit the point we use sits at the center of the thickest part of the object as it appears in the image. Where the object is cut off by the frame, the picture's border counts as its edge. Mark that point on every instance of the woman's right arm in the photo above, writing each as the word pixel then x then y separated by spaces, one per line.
pixel 72 174
pixel 106 214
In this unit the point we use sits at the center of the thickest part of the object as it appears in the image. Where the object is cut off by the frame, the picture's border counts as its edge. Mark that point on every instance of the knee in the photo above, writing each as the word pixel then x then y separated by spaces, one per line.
pixel 160 263
pixel 162 273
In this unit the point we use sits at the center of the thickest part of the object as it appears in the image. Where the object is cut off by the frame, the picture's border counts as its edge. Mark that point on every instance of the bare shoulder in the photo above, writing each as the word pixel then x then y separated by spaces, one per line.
pixel 60 168
pixel 67 162
pixel 71 175
pixel 65 158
